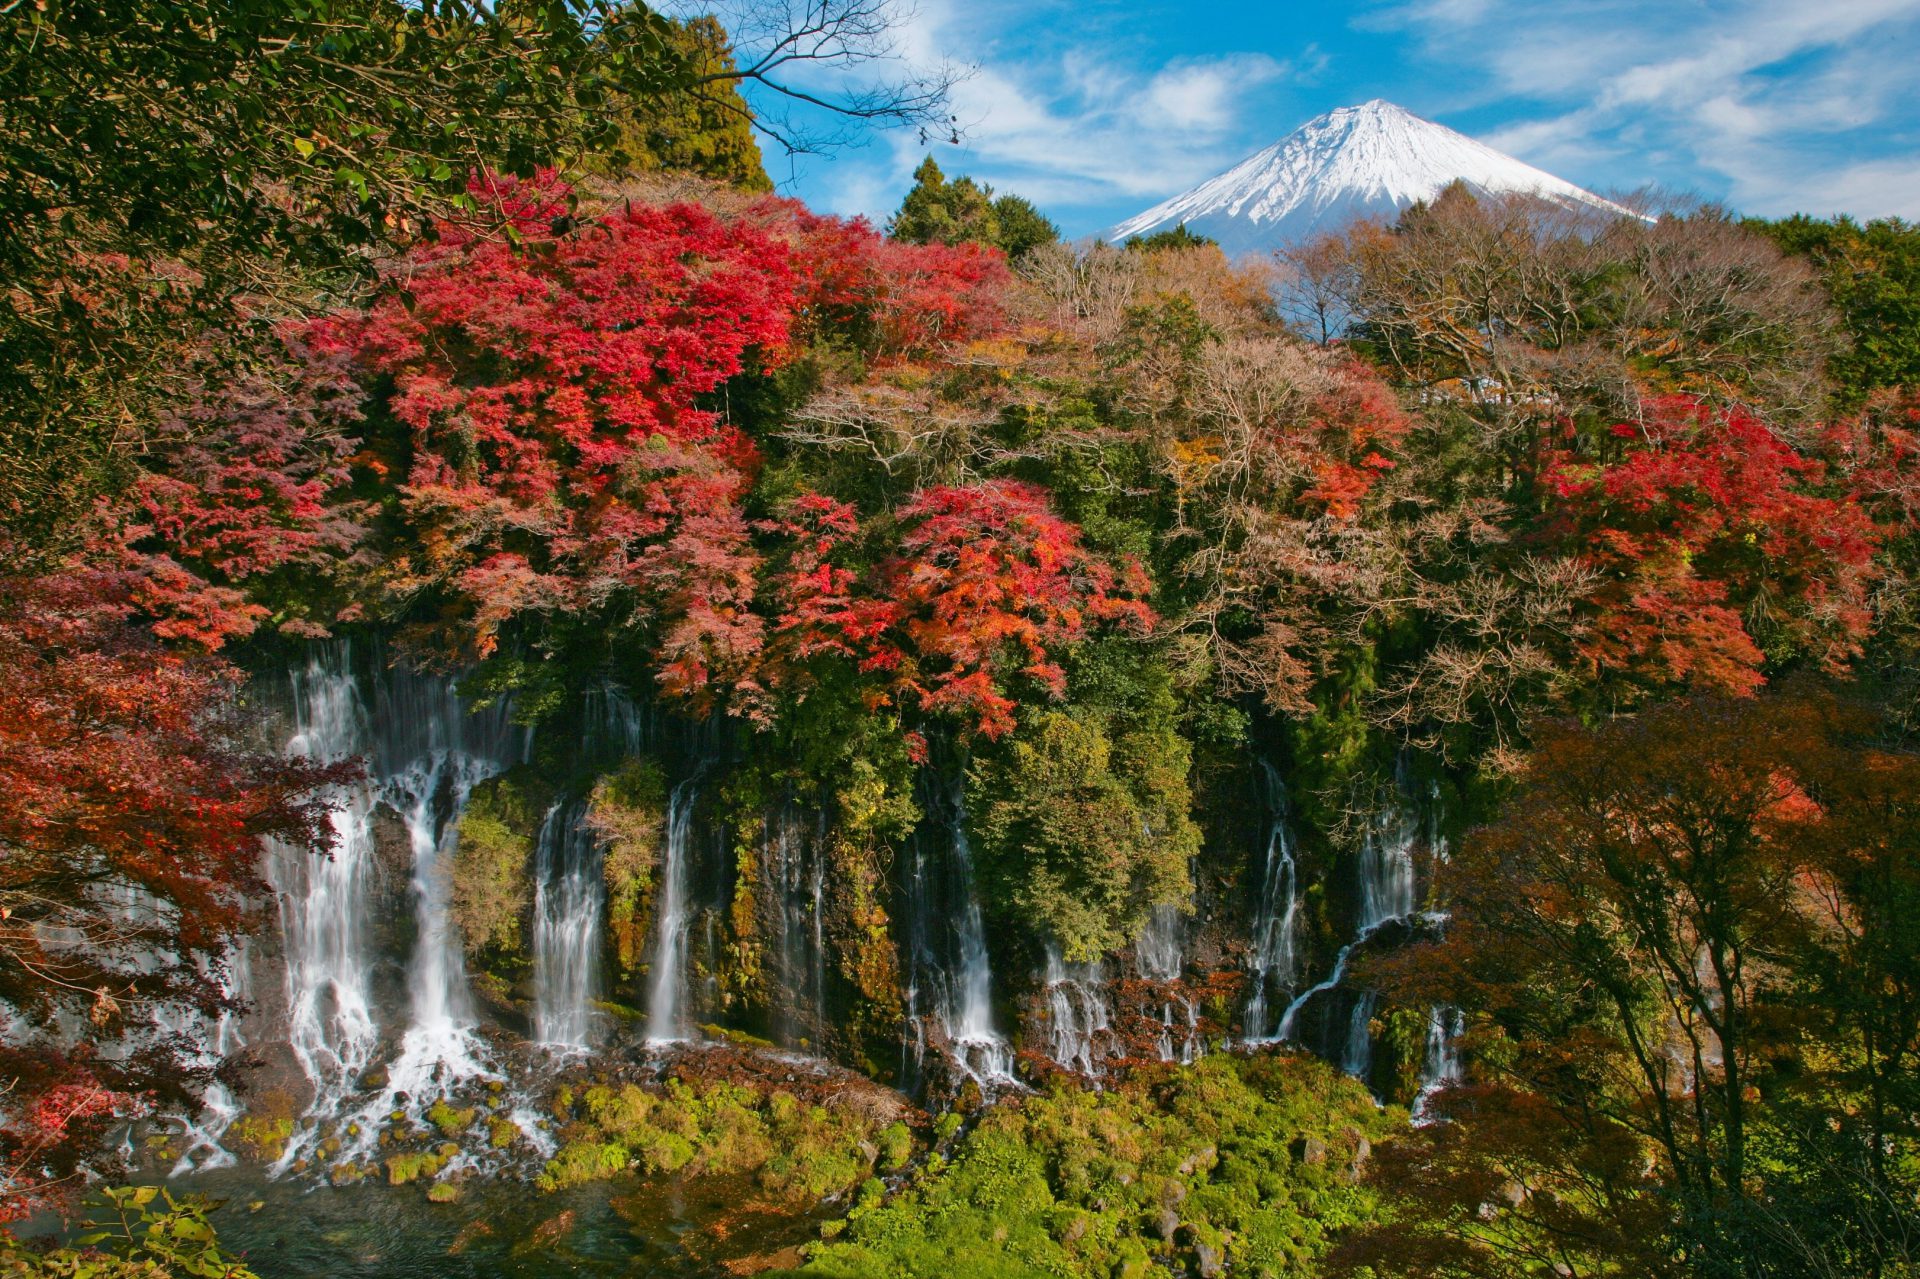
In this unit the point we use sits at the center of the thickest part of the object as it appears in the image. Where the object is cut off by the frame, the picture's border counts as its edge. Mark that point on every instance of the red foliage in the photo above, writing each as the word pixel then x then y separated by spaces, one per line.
pixel 131 821
pixel 556 455
pixel 1349 431
pixel 1715 551
pixel 901 298
pixel 820 610
pixel 987 584
pixel 1877 453
pixel 240 485
pixel 989 581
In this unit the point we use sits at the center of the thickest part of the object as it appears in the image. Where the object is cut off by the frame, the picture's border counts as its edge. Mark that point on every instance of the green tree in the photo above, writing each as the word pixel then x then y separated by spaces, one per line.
pixel 704 128
pixel 1082 819
pixel 1873 275
pixel 1023 228
pixel 1178 238
pixel 937 211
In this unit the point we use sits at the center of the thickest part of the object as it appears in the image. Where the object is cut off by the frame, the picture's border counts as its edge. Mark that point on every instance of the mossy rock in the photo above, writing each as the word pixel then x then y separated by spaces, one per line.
pixel 348 1174
pixel 896 1146
pixel 260 1137
pixel 443 1192
pixel 627 810
pixel 451 1121
pixel 492 869
pixel 417 1165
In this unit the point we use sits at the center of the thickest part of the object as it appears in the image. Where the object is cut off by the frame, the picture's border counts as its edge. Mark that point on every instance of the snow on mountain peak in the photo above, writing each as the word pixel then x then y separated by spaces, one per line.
pixel 1371 160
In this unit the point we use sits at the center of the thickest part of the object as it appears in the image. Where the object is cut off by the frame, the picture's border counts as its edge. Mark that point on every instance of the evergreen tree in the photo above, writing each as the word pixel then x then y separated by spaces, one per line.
pixel 1178 238
pixel 706 129
pixel 1022 227
pixel 963 211
pixel 1873 275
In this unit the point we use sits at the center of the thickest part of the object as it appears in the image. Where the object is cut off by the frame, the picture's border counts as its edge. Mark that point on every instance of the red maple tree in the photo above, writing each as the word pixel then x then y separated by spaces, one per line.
pixel 1716 548
pixel 131 816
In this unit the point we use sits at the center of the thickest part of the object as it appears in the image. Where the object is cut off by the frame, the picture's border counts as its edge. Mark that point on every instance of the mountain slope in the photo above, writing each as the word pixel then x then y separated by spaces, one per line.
pixel 1371 160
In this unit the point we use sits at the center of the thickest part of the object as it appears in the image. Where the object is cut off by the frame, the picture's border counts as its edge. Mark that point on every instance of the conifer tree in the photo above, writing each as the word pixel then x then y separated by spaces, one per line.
pixel 963 211
pixel 706 129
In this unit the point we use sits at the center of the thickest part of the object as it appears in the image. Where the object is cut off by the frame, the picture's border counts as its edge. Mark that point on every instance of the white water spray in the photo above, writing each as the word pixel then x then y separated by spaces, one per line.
pixel 1273 962
pixel 666 1006
pixel 567 907
pixel 1079 1024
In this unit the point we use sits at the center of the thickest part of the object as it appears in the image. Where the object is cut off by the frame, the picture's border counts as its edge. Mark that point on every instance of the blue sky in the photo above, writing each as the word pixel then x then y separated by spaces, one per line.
pixel 1096 109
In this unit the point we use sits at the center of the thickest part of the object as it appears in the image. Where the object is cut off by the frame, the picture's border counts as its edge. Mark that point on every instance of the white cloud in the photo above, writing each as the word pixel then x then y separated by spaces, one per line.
pixel 1077 123
pixel 1763 94
pixel 1207 96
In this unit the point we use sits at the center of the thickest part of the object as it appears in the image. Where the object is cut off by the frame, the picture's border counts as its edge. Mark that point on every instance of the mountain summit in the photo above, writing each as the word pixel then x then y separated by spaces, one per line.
pixel 1371 160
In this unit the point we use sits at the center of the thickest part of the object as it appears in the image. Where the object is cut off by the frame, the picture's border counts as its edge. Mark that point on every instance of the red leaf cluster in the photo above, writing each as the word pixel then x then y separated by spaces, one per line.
pixel 1716 549
pixel 119 782
pixel 988 583
pixel 556 451
pixel 898 298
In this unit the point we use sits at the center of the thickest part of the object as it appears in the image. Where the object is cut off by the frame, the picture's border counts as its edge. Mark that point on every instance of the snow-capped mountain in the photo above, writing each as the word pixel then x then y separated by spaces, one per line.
pixel 1371 160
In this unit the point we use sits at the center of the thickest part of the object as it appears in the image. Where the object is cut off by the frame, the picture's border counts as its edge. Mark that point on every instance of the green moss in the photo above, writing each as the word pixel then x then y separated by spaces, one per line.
pixel 263 1137
pixel 627 810
pixel 793 1150
pixel 1088 1185
pixel 417 1165
pixel 492 880
pixel 451 1120
pixel 896 1146
pixel 502 1132
pixel 443 1192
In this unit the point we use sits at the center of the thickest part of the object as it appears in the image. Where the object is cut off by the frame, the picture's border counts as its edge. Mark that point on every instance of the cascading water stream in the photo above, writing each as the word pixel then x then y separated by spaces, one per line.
pixel 567 908
pixel 1388 895
pixel 1442 1068
pixel 1356 1057
pixel 322 897
pixel 1276 914
pixel 667 996
pixel 950 978
pixel 1284 1031
pixel 1386 862
pixel 1159 957
pixel 1079 1023
pixel 425 754
pixel 795 862
pixel 217 1040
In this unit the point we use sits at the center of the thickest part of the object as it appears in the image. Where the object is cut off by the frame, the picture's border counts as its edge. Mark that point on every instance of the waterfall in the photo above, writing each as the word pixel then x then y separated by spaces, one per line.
pixel 613 724
pixel 169 1024
pixel 1387 896
pixel 210 1041
pixel 666 1005
pixel 1276 914
pixel 322 897
pixel 795 870
pixel 1157 953
pixel 1356 1058
pixel 567 902
pixel 1079 1025
pixel 1442 1068
pixel 1339 974
pixel 948 965
pixel 1386 858
pixel 425 753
